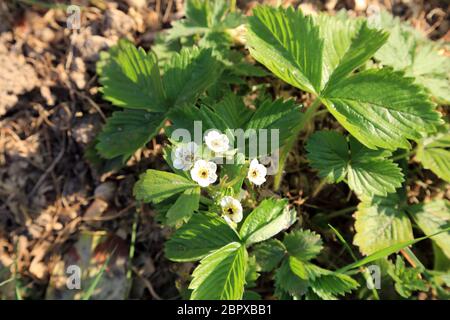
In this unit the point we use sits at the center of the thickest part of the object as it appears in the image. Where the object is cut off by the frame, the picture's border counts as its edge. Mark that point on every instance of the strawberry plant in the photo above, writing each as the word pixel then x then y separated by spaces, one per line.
pixel 227 135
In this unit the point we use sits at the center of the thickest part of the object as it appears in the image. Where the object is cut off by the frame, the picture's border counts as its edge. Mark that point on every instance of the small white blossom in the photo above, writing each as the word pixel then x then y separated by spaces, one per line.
pixel 185 156
pixel 204 172
pixel 231 209
pixel 256 173
pixel 217 141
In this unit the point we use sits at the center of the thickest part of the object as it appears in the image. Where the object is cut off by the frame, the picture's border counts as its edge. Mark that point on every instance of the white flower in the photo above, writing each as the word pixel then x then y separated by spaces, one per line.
pixel 185 156
pixel 231 209
pixel 204 172
pixel 257 173
pixel 216 141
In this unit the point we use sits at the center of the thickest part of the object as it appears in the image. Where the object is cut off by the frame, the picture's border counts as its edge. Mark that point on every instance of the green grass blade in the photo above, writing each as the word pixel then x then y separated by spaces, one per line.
pixel 386 251
pixel 341 238
pixel 87 295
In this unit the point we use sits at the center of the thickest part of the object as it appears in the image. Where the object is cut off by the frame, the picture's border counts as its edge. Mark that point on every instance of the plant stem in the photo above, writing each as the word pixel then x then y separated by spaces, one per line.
pixel 341 212
pixel 284 152
pixel 404 155
pixel 232 5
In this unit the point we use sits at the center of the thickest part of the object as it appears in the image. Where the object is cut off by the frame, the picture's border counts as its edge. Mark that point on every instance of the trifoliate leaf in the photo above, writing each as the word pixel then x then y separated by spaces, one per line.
pixel 268 254
pixel 221 275
pixel 348 45
pixel 380 223
pixel 407 280
pixel 434 154
pixel 184 207
pixel 188 74
pixel 268 219
pixel 382 108
pixel 433 217
pixel 288 44
pixel 130 78
pixel 127 131
pixel 155 186
pixel 368 172
pixel 204 233
pixel 303 244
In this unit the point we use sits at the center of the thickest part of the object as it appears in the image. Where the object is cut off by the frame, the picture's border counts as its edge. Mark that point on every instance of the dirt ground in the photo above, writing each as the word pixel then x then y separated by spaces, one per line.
pixel 56 207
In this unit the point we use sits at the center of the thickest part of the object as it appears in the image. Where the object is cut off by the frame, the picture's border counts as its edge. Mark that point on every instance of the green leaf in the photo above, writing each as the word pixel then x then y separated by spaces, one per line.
pixel 287 281
pixel 406 280
pixel 368 172
pixel 328 153
pixel 221 275
pixel 382 108
pixel 156 186
pixel 130 78
pixel 197 11
pixel 252 274
pixel 203 234
pixel 434 154
pixel 233 110
pixel 251 295
pixel 332 285
pixel 348 44
pixel 184 207
pixel 188 74
pixel 305 270
pixel 204 17
pixel 324 283
pixel 380 223
pixel 434 217
pixel 303 244
pixel 196 21
pixel 268 254
pixel 279 115
pixel 416 55
pixel 288 44
pixel 268 219
pixel 127 131
pixel 185 118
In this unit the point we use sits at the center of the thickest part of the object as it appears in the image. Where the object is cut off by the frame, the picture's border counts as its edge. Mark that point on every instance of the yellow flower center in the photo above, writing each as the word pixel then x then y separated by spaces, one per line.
pixel 203 173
